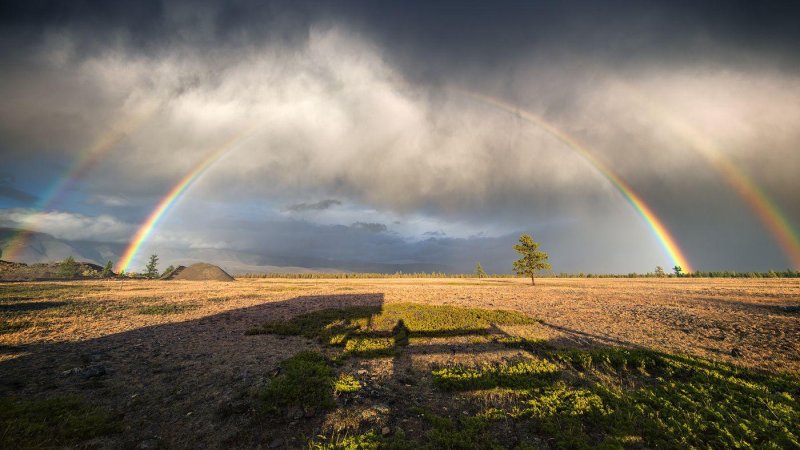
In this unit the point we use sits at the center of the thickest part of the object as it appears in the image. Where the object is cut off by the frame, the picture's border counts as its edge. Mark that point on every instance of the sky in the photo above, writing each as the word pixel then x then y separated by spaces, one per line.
pixel 407 135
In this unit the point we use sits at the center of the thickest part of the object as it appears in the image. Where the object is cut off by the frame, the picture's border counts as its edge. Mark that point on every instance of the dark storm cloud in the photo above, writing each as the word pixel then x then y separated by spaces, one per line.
pixel 316 206
pixel 471 34
pixel 305 244
pixel 433 39
pixel 8 190
pixel 150 25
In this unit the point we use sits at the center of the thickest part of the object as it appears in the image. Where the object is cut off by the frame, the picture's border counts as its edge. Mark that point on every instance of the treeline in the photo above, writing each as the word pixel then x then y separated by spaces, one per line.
pixel 317 275
pixel 788 273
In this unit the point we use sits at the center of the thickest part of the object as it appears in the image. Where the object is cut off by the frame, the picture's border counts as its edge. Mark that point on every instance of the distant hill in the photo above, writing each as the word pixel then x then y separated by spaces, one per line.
pixel 44 248
pixel 202 272
pixel 11 271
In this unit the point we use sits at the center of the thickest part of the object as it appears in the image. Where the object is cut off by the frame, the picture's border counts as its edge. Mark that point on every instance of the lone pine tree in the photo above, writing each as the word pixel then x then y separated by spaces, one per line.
pixel 532 259
pixel 479 272
pixel 152 267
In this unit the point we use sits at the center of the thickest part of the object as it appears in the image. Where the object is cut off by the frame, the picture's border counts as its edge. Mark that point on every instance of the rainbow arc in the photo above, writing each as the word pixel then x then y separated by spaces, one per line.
pixel 755 197
pixel 86 160
pixel 660 231
pixel 172 197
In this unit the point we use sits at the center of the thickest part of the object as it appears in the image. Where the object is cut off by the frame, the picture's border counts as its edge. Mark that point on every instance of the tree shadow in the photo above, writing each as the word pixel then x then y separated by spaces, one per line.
pixel 582 338
pixel 789 309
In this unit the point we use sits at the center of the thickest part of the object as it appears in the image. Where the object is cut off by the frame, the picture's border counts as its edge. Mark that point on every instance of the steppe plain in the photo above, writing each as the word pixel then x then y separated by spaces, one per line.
pixel 178 364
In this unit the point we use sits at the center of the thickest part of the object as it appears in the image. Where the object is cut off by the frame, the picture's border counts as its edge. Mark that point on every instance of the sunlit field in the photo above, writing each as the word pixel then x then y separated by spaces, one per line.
pixel 401 363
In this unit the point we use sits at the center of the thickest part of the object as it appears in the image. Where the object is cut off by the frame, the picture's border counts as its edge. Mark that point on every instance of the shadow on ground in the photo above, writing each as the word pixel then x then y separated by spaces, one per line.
pixel 197 383
pixel 25 307
pixel 176 384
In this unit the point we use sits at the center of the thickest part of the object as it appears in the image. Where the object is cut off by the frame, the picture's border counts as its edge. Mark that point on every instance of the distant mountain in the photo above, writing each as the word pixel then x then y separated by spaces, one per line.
pixel 42 248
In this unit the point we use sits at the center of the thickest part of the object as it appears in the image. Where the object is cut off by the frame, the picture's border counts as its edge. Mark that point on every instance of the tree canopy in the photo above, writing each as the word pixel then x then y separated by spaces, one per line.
pixel 152 267
pixel 532 259
pixel 479 272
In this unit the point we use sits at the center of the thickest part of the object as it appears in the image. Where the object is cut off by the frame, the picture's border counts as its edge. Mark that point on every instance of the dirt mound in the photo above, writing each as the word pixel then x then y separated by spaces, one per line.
pixel 203 272
pixel 173 273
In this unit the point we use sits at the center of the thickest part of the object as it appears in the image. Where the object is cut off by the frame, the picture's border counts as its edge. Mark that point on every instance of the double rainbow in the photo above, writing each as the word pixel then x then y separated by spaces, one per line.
pixel 101 147
pixel 657 227
pixel 86 160
pixel 172 197
pixel 755 197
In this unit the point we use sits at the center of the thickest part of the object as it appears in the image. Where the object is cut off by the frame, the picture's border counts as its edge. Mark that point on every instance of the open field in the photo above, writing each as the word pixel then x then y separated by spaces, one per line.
pixel 475 363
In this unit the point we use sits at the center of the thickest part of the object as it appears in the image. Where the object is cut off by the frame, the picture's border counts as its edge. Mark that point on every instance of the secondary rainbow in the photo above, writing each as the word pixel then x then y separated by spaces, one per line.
pixel 766 210
pixel 86 160
pixel 658 228
pixel 171 198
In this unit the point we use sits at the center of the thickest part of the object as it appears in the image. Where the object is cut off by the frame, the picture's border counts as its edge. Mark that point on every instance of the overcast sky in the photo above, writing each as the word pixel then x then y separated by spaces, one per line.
pixel 366 139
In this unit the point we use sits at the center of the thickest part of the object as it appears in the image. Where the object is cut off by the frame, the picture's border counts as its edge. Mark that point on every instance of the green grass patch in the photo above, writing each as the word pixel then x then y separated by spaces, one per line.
pixel 306 380
pixel 365 347
pixel 55 422
pixel 329 325
pixel 612 398
pixel 323 324
pixel 367 441
pixel 445 320
pixel 443 433
pixel 527 373
pixel 463 432
pixel 164 309
pixel 609 398
pixel 346 384
pixel 619 398
pixel 561 400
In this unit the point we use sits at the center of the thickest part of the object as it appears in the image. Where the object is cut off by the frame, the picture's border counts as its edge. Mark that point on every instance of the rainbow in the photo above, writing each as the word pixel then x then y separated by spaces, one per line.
pixel 765 209
pixel 660 231
pixel 87 160
pixel 171 198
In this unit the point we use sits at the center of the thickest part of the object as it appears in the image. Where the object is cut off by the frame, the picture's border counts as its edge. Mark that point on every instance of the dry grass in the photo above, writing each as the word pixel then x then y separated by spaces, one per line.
pixel 177 357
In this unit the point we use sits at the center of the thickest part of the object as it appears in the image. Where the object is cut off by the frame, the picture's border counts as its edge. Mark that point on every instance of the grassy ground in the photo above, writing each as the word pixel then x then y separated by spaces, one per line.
pixel 401 364
pixel 54 422
pixel 543 397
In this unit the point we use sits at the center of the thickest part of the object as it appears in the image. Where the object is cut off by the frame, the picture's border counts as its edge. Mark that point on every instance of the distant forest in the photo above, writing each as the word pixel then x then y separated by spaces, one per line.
pixel 788 273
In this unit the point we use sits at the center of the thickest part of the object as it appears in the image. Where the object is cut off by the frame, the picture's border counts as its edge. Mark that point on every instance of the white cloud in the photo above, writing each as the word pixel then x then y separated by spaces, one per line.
pixel 332 116
pixel 69 226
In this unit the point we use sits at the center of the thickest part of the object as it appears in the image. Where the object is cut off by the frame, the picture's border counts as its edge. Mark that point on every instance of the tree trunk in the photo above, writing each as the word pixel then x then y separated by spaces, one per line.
pixel 533 282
